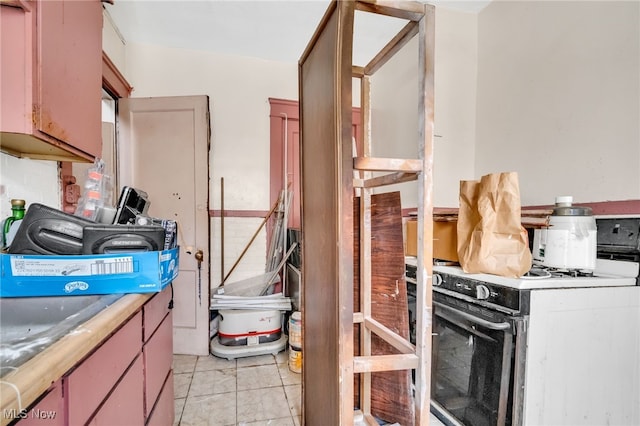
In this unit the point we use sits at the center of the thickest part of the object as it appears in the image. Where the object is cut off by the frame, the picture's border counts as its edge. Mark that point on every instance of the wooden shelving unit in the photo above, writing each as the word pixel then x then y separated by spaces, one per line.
pixel 331 176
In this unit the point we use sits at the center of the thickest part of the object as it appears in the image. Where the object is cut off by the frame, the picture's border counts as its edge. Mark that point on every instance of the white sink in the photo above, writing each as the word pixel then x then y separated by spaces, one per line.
pixel 28 325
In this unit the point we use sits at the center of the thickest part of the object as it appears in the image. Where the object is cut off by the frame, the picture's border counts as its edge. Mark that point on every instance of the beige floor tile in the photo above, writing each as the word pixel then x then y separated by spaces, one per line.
pixel 285 421
pixel 251 391
pixel 181 383
pixel 261 376
pixel 282 357
pixel 210 410
pixel 294 398
pixel 261 404
pixel 184 363
pixel 214 363
pixel 211 382
pixel 288 376
pixel 255 360
pixel 179 406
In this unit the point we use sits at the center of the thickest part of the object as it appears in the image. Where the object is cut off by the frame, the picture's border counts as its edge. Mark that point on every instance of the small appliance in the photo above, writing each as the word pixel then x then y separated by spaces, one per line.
pixel 45 230
pixel 102 238
pixel 131 204
pixel 246 332
pixel 570 240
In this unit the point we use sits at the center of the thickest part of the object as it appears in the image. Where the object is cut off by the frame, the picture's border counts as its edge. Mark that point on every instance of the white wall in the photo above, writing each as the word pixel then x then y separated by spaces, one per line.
pixel 559 98
pixel 238 90
pixel 113 43
pixel 549 89
pixel 394 104
pixel 35 181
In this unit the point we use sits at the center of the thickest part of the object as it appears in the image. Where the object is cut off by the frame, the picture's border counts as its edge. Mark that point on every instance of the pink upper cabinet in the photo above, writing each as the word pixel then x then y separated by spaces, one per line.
pixel 51 79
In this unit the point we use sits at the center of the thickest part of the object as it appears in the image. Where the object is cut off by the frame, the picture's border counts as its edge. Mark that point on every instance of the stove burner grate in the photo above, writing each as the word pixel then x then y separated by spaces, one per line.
pixel 539 272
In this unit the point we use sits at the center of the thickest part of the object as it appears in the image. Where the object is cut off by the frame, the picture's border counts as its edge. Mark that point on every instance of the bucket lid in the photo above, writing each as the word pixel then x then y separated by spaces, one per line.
pixel 564 207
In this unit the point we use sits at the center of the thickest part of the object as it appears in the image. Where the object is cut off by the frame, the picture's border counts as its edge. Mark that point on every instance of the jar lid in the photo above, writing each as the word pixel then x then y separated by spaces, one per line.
pixel 564 207
pixel 572 211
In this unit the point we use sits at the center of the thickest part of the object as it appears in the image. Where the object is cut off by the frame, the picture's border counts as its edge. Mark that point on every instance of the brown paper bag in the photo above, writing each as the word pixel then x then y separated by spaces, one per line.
pixel 491 238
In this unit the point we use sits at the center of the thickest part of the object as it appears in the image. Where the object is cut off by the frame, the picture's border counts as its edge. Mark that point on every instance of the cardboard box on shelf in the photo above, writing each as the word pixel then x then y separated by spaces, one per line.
pixel 445 240
pixel 45 275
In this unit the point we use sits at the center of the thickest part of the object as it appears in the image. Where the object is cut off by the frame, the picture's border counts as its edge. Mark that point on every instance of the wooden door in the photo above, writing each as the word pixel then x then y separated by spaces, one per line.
pixel 164 150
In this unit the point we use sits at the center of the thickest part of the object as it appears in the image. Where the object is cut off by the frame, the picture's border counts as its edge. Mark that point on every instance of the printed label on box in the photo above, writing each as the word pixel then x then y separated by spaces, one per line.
pixel 25 267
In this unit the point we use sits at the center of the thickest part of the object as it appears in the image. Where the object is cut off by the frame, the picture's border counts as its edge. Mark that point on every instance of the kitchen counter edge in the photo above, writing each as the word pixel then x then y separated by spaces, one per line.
pixel 22 387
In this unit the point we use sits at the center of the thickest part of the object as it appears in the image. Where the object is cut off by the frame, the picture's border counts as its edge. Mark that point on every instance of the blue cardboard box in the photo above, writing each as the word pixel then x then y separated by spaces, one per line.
pixel 135 272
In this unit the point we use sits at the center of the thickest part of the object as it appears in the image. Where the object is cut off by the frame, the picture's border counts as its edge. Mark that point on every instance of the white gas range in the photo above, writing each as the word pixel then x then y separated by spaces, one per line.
pixel 550 348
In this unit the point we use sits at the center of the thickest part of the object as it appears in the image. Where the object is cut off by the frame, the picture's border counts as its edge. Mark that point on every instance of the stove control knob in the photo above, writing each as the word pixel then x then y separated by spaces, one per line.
pixel 436 279
pixel 482 292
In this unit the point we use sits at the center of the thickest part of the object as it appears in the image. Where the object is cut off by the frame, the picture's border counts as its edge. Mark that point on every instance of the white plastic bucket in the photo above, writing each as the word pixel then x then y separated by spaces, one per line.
pixel 295 330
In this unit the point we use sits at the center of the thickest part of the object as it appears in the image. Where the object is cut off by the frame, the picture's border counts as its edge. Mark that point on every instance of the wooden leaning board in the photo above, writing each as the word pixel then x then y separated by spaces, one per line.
pixel 391 398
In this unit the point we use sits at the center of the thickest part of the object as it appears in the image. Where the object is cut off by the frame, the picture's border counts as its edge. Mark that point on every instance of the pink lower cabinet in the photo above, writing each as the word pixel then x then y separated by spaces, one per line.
pixel 127 380
pixel 93 380
pixel 124 404
pixel 164 411
pixel 158 356
pixel 48 411
pixel 155 311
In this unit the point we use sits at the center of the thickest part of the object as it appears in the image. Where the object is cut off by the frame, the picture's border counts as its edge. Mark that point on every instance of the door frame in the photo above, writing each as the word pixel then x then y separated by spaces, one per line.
pixel 281 112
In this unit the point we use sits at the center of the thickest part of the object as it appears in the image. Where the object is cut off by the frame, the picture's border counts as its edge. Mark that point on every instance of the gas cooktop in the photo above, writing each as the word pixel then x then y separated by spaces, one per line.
pixel 608 273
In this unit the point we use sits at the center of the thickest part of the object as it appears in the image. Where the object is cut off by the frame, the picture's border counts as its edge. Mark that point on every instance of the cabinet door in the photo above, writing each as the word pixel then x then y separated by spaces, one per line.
pixel 15 78
pixel 90 383
pixel 163 413
pixel 158 356
pixel 124 405
pixel 154 312
pixel 70 72
pixel 49 411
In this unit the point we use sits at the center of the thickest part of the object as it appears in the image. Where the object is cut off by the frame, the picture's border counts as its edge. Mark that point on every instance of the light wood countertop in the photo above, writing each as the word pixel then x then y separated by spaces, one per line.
pixel 21 387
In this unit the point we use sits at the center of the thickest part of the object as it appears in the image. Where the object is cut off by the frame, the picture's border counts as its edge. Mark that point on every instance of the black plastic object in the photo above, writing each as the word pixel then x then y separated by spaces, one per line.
pixel 101 239
pixel 45 230
pixel 132 203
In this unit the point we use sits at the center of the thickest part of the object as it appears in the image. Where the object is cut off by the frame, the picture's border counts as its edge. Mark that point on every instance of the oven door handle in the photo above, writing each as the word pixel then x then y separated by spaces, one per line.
pixel 484 323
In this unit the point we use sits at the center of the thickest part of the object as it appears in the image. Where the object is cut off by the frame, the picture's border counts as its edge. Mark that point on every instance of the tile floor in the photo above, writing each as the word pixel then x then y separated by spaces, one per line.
pixel 258 390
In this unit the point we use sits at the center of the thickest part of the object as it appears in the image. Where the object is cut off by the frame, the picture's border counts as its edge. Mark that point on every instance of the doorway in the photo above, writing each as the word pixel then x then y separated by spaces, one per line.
pixel 164 150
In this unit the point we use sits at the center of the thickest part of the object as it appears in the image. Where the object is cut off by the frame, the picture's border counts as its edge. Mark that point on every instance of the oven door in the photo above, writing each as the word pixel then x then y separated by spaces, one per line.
pixel 471 366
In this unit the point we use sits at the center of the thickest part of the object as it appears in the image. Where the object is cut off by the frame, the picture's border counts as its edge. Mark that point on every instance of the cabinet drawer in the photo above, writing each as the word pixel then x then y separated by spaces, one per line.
pixel 124 406
pixel 88 385
pixel 49 411
pixel 158 355
pixel 154 312
pixel 163 413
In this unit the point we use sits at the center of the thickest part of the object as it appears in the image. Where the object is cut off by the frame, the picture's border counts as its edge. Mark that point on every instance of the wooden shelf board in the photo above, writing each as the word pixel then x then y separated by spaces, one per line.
pixel 391 179
pixel 412 11
pixel 393 47
pixel 387 164
pixel 389 336
pixel 376 363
